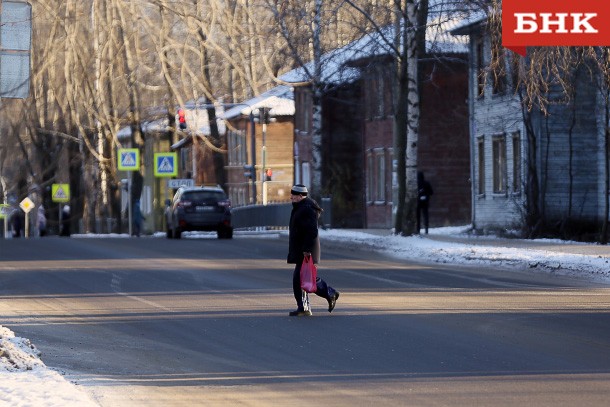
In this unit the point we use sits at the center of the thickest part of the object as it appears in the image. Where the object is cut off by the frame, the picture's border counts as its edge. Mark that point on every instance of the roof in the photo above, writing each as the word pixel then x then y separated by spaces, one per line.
pixel 335 69
pixel 465 26
pixel 279 99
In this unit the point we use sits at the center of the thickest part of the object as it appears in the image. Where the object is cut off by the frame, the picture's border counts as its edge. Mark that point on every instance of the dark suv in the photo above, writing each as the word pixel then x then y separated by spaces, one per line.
pixel 199 208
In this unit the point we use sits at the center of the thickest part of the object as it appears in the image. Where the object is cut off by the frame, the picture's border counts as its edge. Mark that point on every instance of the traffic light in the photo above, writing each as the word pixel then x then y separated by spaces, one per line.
pixel 264 115
pixel 268 174
pixel 249 171
pixel 182 119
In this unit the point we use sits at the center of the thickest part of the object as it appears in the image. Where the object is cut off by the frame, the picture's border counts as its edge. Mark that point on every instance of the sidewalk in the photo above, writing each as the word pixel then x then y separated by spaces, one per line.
pixel 453 245
pixel 555 245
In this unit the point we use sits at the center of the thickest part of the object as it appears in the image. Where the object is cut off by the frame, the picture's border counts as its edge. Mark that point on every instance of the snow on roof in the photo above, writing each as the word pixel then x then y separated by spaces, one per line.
pixel 279 99
pixel 463 27
pixel 335 69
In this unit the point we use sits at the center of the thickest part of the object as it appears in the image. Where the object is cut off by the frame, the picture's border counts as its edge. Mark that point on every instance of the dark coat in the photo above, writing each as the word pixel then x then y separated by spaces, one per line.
pixel 303 231
pixel 424 190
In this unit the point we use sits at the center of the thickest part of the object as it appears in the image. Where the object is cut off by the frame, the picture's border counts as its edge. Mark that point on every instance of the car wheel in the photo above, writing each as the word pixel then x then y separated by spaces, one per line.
pixel 169 234
pixel 177 233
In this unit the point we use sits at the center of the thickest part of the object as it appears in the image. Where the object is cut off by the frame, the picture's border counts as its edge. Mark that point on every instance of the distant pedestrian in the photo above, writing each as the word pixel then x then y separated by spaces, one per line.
pixel 138 218
pixel 18 222
pixel 303 240
pixel 424 192
pixel 65 221
pixel 42 221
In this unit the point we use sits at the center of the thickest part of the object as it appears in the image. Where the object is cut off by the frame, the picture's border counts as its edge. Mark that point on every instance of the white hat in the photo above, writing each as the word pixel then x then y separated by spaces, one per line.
pixel 299 189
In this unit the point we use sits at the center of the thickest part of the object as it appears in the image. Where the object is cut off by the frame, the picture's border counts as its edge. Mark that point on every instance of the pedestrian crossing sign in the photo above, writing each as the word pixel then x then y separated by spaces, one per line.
pixel 5 210
pixel 166 164
pixel 129 159
pixel 60 192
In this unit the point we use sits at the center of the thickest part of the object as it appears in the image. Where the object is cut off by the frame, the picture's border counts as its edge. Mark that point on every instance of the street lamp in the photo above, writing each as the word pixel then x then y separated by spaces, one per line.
pixel 264 120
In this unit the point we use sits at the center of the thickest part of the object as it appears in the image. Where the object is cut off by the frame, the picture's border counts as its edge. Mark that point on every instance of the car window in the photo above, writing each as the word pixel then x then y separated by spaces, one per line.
pixel 207 196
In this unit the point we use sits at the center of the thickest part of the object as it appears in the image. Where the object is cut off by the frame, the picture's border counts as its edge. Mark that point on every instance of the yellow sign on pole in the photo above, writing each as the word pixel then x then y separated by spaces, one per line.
pixel 27 205
pixel 166 164
pixel 5 210
pixel 60 192
pixel 129 159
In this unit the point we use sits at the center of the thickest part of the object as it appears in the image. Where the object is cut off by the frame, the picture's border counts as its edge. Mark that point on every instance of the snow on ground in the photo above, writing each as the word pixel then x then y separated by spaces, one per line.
pixel 452 245
pixel 26 381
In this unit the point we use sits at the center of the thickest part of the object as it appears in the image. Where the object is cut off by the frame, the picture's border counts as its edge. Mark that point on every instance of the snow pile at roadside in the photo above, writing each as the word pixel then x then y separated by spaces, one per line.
pixel 17 354
pixel 26 381
pixel 422 249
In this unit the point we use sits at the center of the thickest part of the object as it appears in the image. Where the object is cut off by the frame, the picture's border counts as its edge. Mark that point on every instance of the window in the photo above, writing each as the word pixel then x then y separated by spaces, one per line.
pixel 481 156
pixel 237 148
pixel 373 106
pixel 376 175
pixel 516 162
pixel 303 116
pixel 378 94
pixel 480 67
pixel 499 71
pixel 370 176
pixel 380 180
pixel 388 95
pixel 499 164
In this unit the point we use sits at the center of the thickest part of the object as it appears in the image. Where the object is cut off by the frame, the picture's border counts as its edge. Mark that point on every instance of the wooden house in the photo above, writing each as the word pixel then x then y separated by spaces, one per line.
pixel 260 148
pixel 525 162
pixel 358 168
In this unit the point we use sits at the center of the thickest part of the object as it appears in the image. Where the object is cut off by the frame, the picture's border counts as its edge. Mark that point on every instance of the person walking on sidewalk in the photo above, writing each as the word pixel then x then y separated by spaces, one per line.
pixel 303 240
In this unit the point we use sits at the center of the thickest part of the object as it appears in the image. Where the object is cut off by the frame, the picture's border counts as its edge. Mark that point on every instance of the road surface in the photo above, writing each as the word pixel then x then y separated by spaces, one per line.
pixel 157 322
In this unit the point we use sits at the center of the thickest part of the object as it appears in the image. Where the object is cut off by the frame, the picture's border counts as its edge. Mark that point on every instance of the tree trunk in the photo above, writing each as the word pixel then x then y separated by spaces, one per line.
pixel 316 136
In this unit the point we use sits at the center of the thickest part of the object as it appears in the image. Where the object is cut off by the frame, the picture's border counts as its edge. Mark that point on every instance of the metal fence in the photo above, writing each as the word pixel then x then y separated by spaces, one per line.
pixel 276 215
pixel 273 215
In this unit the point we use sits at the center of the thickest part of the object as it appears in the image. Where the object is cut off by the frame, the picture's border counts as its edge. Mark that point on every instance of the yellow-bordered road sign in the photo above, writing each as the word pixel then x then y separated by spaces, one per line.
pixel 166 164
pixel 27 205
pixel 5 210
pixel 60 192
pixel 129 159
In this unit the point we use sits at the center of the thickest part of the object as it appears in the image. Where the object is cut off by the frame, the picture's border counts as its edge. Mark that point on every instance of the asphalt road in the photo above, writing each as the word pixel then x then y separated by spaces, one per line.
pixel 156 322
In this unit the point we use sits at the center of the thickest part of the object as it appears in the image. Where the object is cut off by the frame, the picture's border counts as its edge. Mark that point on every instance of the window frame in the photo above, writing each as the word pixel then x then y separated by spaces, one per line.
pixel 380 179
pixel 499 82
pixel 481 166
pixel 499 167
pixel 480 67
pixel 516 157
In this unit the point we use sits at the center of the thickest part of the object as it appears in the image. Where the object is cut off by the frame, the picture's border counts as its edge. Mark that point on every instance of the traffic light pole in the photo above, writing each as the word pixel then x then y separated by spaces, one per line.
pixel 253 154
pixel 129 204
pixel 264 161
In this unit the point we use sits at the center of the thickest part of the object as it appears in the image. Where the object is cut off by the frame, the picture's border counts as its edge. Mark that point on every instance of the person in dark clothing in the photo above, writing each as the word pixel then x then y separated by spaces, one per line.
pixel 424 192
pixel 138 218
pixel 18 222
pixel 65 221
pixel 303 241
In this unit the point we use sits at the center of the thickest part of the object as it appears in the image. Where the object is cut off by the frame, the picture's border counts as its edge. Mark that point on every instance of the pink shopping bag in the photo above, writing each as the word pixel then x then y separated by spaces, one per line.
pixel 309 273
